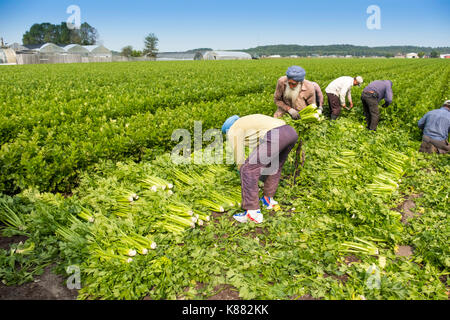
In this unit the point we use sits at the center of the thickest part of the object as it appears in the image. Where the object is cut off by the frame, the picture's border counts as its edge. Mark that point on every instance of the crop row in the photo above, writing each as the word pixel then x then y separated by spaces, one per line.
pixel 69 125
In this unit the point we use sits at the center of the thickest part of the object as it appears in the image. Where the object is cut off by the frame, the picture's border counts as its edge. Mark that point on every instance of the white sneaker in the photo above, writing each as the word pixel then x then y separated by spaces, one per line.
pixel 255 216
pixel 268 202
pixel 241 217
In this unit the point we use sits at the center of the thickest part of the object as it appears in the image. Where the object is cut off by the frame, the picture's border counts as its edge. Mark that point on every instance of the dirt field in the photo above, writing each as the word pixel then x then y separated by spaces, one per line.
pixel 48 286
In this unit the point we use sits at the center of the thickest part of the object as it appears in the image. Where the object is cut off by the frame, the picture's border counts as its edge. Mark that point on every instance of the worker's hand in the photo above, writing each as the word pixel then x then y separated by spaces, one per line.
pixel 294 114
pixel 384 105
pixel 351 105
pixel 320 110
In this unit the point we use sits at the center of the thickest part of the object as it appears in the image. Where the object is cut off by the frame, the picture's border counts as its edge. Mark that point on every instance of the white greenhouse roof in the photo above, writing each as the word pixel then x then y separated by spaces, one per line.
pixel 227 55
pixel 168 56
pixel 50 47
pixel 97 49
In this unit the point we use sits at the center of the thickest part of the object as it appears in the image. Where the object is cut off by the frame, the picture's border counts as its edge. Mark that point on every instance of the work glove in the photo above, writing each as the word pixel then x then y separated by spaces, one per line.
pixel 294 114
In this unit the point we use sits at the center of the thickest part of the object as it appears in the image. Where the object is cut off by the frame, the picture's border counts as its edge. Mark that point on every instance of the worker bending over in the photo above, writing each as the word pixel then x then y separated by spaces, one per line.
pixel 371 97
pixel 293 93
pixel 436 126
pixel 336 92
pixel 270 140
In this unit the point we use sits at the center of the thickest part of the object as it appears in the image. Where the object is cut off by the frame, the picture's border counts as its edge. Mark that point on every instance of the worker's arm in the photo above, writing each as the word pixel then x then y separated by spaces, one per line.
pixel 278 97
pixel 319 95
pixel 311 99
pixel 422 122
pixel 345 91
pixel 349 97
pixel 388 97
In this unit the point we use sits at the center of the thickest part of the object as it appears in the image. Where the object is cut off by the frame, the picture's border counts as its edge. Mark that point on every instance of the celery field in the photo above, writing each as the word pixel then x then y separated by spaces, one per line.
pixel 87 179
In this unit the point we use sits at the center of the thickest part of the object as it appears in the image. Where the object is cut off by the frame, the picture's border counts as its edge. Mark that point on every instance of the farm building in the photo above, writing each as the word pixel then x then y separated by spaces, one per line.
pixel 52 53
pixel 76 49
pixel 98 51
pixel 17 47
pixel 412 55
pixel 50 48
pixel 226 55
pixel 31 47
pixel 445 56
pixel 7 55
pixel 173 56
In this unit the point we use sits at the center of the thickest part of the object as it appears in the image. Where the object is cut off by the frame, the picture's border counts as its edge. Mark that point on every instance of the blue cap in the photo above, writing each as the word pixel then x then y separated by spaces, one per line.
pixel 228 123
pixel 296 73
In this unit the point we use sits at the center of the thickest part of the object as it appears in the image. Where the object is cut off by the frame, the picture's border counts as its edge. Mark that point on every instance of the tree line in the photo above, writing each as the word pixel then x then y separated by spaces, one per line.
pixel 342 50
pixel 41 33
pixel 150 48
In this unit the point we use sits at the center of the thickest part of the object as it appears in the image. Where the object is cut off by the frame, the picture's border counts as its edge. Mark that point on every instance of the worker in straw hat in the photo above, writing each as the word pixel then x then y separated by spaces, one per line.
pixel 436 126
pixel 338 90
pixel 270 141
pixel 293 93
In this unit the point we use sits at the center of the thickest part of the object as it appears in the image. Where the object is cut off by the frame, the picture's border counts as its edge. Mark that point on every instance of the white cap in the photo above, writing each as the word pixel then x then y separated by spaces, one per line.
pixel 447 103
pixel 360 80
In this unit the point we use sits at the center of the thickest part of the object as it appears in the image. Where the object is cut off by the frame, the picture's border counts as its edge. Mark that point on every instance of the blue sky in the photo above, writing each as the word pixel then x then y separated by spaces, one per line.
pixel 231 24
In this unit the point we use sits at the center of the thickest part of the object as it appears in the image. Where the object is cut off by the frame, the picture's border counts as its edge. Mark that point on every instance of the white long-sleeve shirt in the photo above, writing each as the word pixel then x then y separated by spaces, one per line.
pixel 341 87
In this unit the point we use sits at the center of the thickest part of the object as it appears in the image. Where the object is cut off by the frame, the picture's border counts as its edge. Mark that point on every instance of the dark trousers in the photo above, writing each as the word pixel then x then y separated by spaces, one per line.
pixel 335 105
pixel 434 146
pixel 267 159
pixel 371 111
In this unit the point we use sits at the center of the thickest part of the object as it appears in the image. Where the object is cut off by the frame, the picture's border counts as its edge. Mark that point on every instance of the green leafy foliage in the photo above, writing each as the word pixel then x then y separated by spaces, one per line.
pixel 104 135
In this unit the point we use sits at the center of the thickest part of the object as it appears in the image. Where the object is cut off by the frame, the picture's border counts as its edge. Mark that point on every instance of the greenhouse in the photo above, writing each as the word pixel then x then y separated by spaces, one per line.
pixel 17 47
pixel 226 55
pixel 7 55
pixel 76 49
pixel 50 48
pixel 171 56
pixel 98 51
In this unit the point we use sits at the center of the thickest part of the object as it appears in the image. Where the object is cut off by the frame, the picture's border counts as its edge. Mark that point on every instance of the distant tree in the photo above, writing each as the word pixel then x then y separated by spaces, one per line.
pixel 136 53
pixel 421 54
pixel 435 54
pixel 151 45
pixel 65 34
pixel 389 55
pixel 342 50
pixel 88 34
pixel 60 34
pixel 199 49
pixel 127 51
